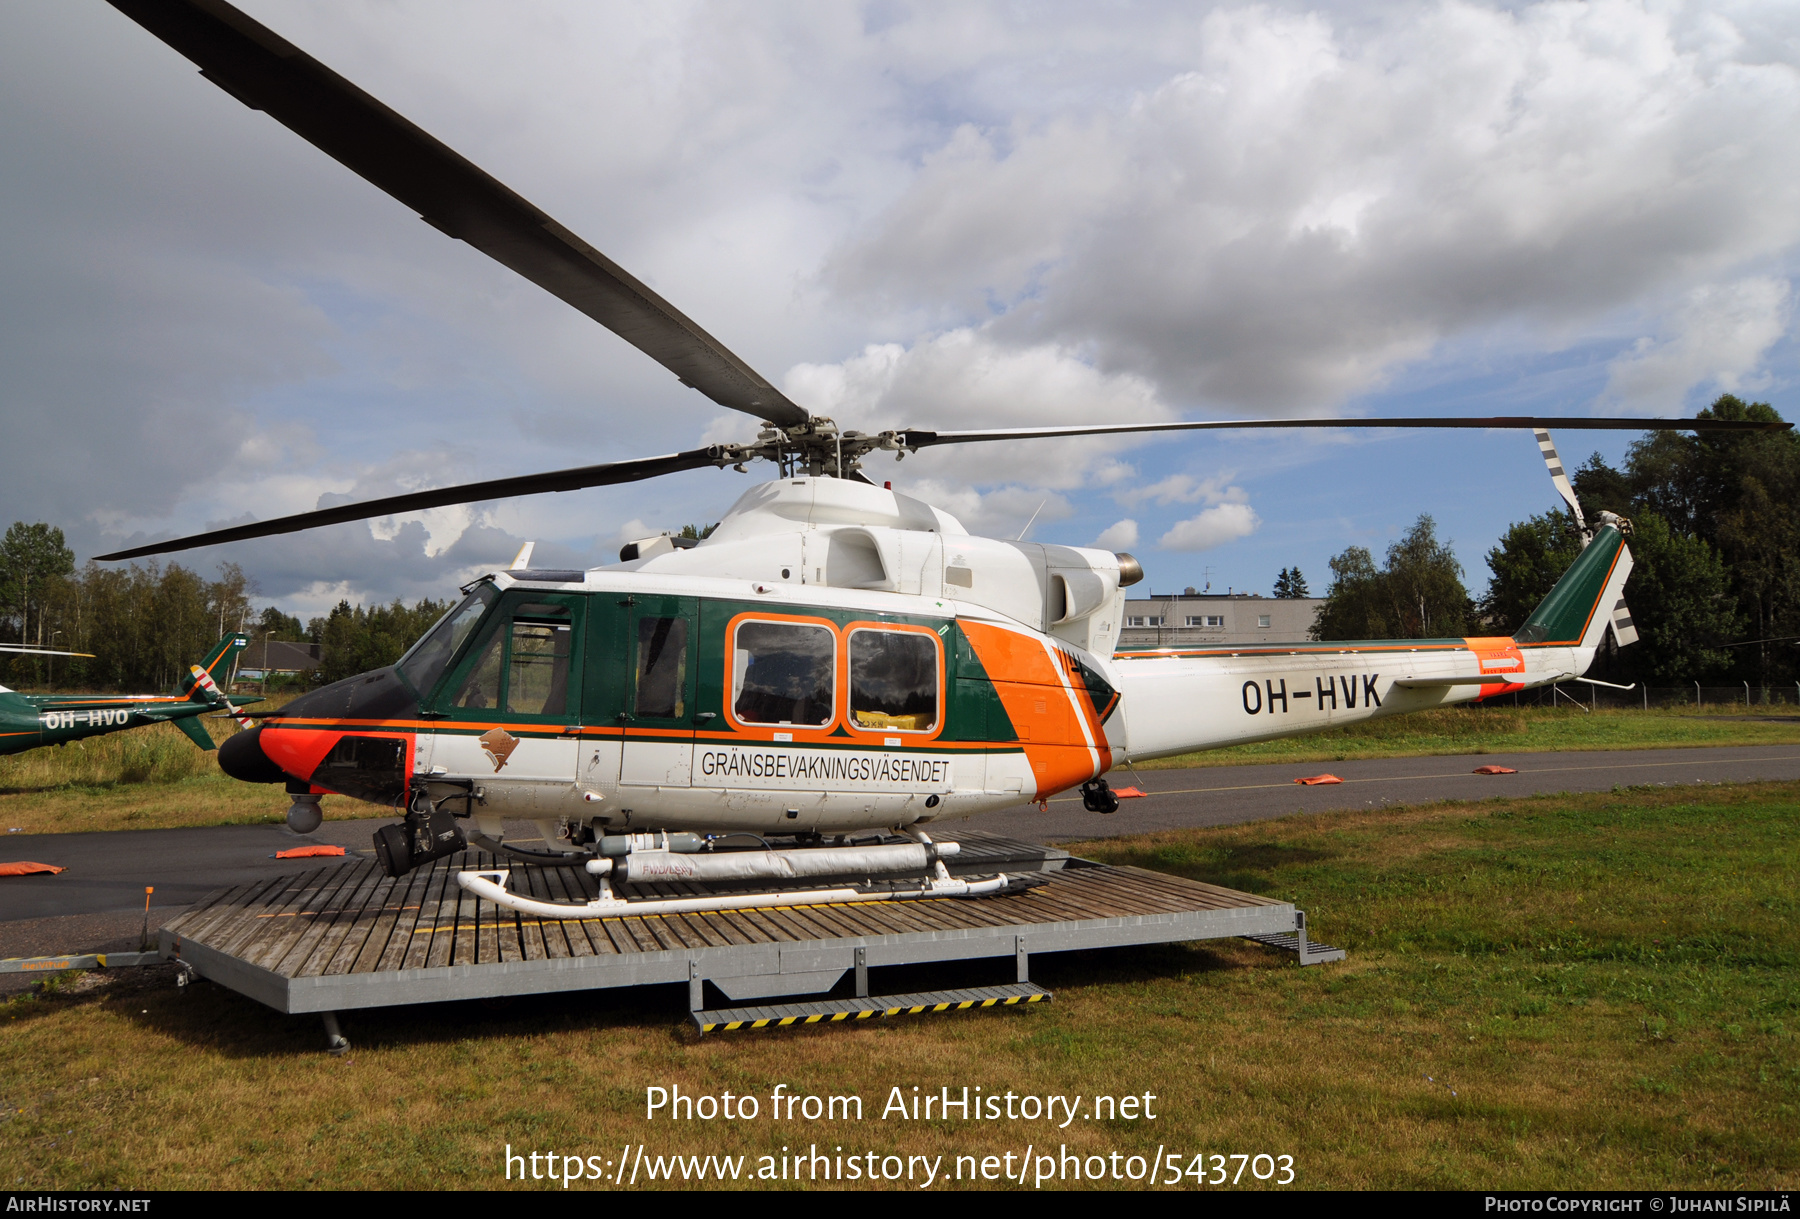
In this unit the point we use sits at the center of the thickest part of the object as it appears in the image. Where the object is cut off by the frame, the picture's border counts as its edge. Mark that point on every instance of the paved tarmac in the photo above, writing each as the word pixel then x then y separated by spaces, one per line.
pixel 1229 795
pixel 99 902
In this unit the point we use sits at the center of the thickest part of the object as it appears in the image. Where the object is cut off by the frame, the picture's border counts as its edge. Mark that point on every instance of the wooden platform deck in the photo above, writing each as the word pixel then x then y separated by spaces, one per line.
pixel 345 936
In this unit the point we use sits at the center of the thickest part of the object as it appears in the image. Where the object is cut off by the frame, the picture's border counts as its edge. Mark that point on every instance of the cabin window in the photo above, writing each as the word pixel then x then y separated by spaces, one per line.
pixel 784 673
pixel 894 680
pixel 531 654
pixel 660 690
pixel 425 664
pixel 537 680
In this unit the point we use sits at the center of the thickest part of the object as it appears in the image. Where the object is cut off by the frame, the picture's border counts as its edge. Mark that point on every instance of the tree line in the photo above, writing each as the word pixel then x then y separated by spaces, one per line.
pixel 1715 590
pixel 146 625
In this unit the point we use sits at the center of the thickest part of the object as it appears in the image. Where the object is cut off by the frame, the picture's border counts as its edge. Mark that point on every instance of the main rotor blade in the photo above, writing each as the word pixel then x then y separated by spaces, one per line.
pixel 467 493
pixel 265 72
pixel 921 438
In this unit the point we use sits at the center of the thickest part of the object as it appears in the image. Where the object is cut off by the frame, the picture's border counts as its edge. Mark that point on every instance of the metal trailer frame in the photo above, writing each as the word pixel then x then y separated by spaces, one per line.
pixel 345 937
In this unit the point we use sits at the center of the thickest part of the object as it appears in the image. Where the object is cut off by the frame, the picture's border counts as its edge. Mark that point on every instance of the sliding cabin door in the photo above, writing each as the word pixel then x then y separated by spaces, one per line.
pixel 654 686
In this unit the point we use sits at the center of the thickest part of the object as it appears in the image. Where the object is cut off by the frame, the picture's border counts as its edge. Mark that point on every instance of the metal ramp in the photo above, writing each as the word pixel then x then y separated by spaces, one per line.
pixel 829 1011
pixel 77 960
pixel 1295 941
pixel 344 936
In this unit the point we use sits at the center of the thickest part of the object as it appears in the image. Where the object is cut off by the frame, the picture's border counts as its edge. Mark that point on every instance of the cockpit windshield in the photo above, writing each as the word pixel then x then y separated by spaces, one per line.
pixel 425 663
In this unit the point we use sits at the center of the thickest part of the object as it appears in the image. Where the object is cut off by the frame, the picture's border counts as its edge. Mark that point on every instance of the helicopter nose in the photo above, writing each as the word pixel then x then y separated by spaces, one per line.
pixel 242 757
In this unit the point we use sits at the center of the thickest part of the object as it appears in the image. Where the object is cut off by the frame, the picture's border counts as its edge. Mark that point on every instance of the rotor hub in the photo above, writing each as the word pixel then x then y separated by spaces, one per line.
pixel 817 447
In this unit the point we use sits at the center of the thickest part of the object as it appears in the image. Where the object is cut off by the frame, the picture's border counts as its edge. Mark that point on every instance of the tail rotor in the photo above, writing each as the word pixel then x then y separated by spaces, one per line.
pixel 1624 633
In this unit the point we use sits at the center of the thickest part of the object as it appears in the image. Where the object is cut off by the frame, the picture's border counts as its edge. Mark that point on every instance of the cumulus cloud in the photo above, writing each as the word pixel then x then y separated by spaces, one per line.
pixel 1227 517
pixel 1716 338
pixel 1002 512
pixel 965 216
pixel 962 380
pixel 1315 202
pixel 1213 527
pixel 1181 489
pixel 1120 535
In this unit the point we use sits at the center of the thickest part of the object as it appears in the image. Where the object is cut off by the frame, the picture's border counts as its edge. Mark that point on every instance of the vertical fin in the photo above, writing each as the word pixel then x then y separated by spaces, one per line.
pixel 204 684
pixel 216 664
pixel 1581 607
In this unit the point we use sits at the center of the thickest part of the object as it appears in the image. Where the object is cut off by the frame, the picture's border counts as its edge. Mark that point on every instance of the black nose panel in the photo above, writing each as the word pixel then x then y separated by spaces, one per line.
pixel 242 757
pixel 379 695
pixel 371 768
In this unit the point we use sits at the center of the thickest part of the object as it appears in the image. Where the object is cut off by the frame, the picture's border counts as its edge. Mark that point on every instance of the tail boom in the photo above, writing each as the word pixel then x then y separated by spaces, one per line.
pixel 1180 700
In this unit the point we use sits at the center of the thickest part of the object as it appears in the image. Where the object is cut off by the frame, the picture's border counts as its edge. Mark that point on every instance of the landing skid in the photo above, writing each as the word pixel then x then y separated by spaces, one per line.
pixel 779 877
pixel 491 885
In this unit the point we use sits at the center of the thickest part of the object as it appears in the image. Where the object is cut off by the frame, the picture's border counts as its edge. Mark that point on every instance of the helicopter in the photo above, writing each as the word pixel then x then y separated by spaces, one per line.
pixel 30 720
pixel 796 702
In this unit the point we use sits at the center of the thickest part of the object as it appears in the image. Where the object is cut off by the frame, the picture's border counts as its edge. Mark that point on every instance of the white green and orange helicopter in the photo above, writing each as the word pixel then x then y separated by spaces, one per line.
pixel 30 720
pixel 836 660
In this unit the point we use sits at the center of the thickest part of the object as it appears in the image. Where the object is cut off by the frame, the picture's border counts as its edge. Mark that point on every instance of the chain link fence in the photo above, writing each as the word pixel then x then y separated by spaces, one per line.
pixel 1745 697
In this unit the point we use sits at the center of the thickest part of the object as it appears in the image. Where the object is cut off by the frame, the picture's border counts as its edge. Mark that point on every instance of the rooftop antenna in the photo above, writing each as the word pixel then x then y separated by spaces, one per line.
pixel 1206 580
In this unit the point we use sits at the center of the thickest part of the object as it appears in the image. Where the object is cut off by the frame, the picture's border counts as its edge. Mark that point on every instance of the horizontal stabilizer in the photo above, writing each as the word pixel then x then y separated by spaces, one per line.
pixel 1464 679
pixel 191 726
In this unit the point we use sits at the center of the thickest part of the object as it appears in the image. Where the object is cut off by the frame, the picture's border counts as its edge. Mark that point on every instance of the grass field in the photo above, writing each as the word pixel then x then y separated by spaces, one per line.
pixel 1512 730
pixel 1596 991
pixel 153 778
pixel 147 778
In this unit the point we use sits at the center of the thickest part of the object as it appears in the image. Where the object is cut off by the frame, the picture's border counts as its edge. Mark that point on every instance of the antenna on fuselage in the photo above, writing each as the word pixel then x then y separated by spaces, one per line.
pixel 1028 524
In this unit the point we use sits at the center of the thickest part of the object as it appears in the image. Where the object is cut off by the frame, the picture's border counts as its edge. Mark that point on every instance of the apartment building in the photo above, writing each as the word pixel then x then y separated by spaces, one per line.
pixel 1190 619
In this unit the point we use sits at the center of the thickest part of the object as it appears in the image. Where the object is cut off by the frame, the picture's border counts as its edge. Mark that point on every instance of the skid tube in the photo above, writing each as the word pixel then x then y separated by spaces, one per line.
pixel 652 854
pixel 492 886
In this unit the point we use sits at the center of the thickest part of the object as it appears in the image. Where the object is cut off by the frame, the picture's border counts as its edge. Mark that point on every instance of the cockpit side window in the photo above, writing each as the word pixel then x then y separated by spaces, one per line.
pixel 481 688
pixel 424 665
pixel 524 666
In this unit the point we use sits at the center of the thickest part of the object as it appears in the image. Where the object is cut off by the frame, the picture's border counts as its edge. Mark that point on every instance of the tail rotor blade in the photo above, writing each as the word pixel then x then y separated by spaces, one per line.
pixel 1624 633
pixel 1560 478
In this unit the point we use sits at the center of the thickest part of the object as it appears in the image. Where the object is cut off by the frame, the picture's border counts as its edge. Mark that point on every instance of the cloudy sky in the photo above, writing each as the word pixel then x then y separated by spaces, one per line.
pixel 943 215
